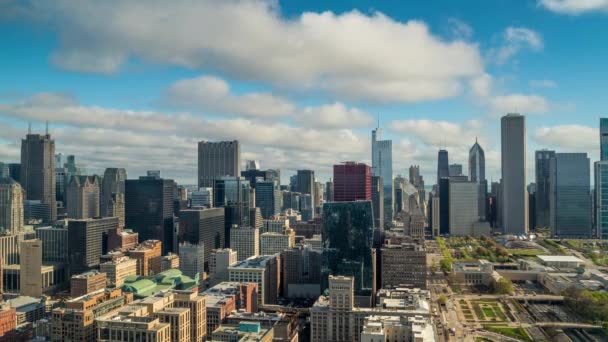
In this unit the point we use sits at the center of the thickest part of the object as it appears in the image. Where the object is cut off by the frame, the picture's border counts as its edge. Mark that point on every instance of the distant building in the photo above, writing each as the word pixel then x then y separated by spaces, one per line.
pixel 268 198
pixel 603 139
pixel 82 195
pixel 219 261
pixel 38 171
pixel 463 210
pixel 86 241
pixel 265 271
pixel 601 199
pixel 273 243
pixel 514 197
pixel 352 182
pixel 403 264
pixel 113 187
pixel 378 201
pixel 245 241
pixel 203 226
pixel 169 261
pixel 192 260
pixel 148 256
pixel 31 268
pixel 477 174
pixel 118 270
pixel 85 283
pixel 232 193
pixel 382 166
pixel 11 206
pixel 329 191
pixel 55 244
pixel 455 170
pixel 301 272
pixel 216 160
pixel 542 160
pixel 203 197
pixel 443 166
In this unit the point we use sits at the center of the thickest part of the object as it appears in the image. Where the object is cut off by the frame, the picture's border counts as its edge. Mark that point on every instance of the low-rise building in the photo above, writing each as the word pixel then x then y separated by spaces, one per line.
pixel 403 263
pixel 143 287
pixel 244 294
pixel 148 256
pixel 397 328
pixel 480 272
pixel 244 331
pixel 273 243
pixel 117 270
pixel 262 270
pixel 87 282
pixel 169 261
pixel 560 261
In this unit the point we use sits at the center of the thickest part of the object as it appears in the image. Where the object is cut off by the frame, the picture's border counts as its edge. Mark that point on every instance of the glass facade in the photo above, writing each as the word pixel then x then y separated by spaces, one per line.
pixel 601 199
pixel 348 233
pixel 604 139
pixel 233 194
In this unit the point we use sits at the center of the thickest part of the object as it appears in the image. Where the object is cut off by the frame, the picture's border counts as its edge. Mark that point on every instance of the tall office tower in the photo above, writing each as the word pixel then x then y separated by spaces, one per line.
pixel 444 206
pixel 203 226
pixel 245 241
pixel 233 194
pixel 218 159
pixel 86 242
pixel 202 197
pixel 192 260
pixel 38 171
pixel 570 203
pixel 300 273
pixel 14 170
pixel 329 191
pixel 318 197
pixel 149 209
pixel 543 191
pixel 443 166
pixel 414 175
pixel 306 182
pixel 463 209
pixel 252 175
pixel 532 204
pixel 30 275
pixel 477 174
pixel 54 243
pixel 455 170
pixel 382 166
pixel 255 218
pixel 82 196
pixel 4 171
pixel 290 200
pixel 306 207
pixel 113 183
pixel 70 165
pixel 403 263
pixel 268 198
pixel 378 201
pixel 513 156
pixel 116 208
pixel 352 182
pixel 11 206
pixel 601 199
pixel 348 232
pixel 293 183
pixel 61 182
pixel 603 139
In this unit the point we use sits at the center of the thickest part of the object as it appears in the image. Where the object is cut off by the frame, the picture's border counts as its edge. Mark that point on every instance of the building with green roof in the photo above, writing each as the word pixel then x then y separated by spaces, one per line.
pixel 171 279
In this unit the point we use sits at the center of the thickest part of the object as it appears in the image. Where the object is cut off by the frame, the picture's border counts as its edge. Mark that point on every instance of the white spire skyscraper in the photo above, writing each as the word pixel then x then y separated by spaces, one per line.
pixel 477 174
pixel 382 165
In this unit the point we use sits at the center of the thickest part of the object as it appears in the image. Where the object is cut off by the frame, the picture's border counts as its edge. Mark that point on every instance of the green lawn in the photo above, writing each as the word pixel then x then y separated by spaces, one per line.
pixel 526 252
pixel 518 333
pixel 488 312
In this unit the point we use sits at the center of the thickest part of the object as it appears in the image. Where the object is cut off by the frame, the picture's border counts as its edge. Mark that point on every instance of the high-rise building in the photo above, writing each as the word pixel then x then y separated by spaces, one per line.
pixel 202 226
pixel 570 201
pixel 382 166
pixel 306 184
pixel 232 193
pixel 513 156
pixel 87 240
pixel 352 182
pixel 203 197
pixel 301 272
pixel 219 261
pixel 192 260
pixel 268 198
pixel 273 243
pixel 113 184
pixel 601 199
pixel 378 201
pixel 31 268
pixel 603 139
pixel 245 241
pixel 116 208
pixel 14 171
pixel 216 160
pixel 264 270
pixel 82 197
pixel 455 170
pixel 543 190
pixel 329 191
pixel 55 245
pixel 149 209
pixel 443 166
pixel 463 208
pixel 348 232
pixel 38 171
pixel 444 206
pixel 403 264
pixel 11 206
pixel 477 174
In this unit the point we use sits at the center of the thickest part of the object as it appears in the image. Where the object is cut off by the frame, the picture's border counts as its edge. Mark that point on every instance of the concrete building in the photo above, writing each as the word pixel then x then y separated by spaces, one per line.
pixel 395 328
pixel 513 166
pixel 218 159
pixel 262 270
pixel 86 241
pixel 123 328
pixel 84 283
pixel 382 166
pixel 203 226
pixel 245 241
pixel 179 318
pixel 169 261
pixel 273 243
pixel 301 272
pixel 118 270
pixel 560 261
pixel 244 331
pixel 569 199
pixel 403 264
pixel 352 182
pixel 455 170
pixel 218 308
pixel 82 197
pixel 192 260
pixel 11 206
pixel 245 295
pixel 277 224
pixel 8 320
pixel 30 268
pixel 336 318
pixel 37 169
pixel 219 261
pixel 464 206
pixel 112 187
pixel 122 239
pixel 480 272
pixel 202 198
pixel 148 256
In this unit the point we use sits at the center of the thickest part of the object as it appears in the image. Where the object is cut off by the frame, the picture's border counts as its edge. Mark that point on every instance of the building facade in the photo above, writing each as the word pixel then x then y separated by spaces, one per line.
pixel 542 197
pixel 352 182
pixel 513 166
pixel 38 171
pixel 245 241
pixel 382 166
pixel 11 206
pixel 86 241
pixel 218 159
pixel 82 197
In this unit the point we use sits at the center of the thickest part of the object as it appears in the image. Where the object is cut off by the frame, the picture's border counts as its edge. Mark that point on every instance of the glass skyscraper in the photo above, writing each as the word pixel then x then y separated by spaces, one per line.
pixel 603 139
pixel 543 191
pixel 601 199
pixel 233 194
pixel 443 167
pixel 348 234
pixel 382 166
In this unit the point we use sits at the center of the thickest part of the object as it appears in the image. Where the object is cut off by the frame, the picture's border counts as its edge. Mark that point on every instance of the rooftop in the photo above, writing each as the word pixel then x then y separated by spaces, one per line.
pixel 254 262
pixel 559 258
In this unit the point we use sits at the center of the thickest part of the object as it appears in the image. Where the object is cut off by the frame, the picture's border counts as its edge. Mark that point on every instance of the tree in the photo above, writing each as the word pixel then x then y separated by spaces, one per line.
pixel 503 286
pixel 442 299
pixel 446 265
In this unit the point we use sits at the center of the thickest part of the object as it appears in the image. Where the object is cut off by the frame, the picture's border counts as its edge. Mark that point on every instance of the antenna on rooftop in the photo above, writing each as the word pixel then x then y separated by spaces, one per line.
pixel 29 127
pixel 47 127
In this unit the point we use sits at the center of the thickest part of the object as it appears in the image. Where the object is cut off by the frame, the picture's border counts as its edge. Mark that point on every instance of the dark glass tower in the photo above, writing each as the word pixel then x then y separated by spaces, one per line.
pixel 233 194
pixel 541 160
pixel 443 166
pixel 603 139
pixel 37 173
pixel 348 234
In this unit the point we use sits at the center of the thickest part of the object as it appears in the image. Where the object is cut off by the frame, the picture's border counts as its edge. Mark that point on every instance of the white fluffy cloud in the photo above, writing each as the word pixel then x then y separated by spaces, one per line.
pixel 519 103
pixel 352 55
pixel 333 116
pixel 515 39
pixel 575 7
pixel 212 94
pixel 569 137
pixel 437 132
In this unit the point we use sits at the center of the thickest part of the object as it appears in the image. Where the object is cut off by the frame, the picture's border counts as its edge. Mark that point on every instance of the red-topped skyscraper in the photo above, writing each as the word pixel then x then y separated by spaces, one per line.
pixel 352 182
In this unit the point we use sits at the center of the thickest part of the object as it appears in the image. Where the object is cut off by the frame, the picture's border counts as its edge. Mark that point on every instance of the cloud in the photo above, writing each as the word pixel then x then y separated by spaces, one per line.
pixel 351 55
pixel 460 29
pixel 569 137
pixel 575 7
pixel 212 94
pixel 543 84
pixel 333 116
pixel 437 132
pixel 519 103
pixel 515 39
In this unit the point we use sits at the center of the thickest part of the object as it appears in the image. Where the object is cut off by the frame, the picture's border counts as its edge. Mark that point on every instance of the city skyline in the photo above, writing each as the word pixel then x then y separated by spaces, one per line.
pixel 111 110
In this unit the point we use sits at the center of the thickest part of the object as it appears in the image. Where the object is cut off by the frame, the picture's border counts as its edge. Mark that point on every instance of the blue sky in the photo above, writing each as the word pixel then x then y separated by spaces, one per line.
pixel 300 83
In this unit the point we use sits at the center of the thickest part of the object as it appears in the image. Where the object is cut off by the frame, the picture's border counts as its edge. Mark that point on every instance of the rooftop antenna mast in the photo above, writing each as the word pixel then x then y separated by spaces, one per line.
pixel 46 127
pixel 29 127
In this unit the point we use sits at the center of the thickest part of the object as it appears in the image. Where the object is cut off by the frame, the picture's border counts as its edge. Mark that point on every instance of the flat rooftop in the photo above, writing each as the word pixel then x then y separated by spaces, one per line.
pixel 559 258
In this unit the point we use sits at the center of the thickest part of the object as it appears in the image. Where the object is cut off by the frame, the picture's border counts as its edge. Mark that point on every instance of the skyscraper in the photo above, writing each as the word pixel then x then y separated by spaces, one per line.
pixel 477 174
pixel 149 209
pixel 382 166
pixel 570 203
pixel 192 260
pixel 233 194
pixel 543 191
pixel 329 191
pixel 601 199
pixel 218 159
pixel 603 139
pixel 352 182
pixel 38 171
pixel 455 170
pixel 443 166
pixel 513 157
pixel 82 196
pixel 378 201
pixel 86 242
pixel 203 226
pixel 31 268
pixel 268 198
pixel 306 182
pixel 11 206
pixel 113 183
pixel 348 235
